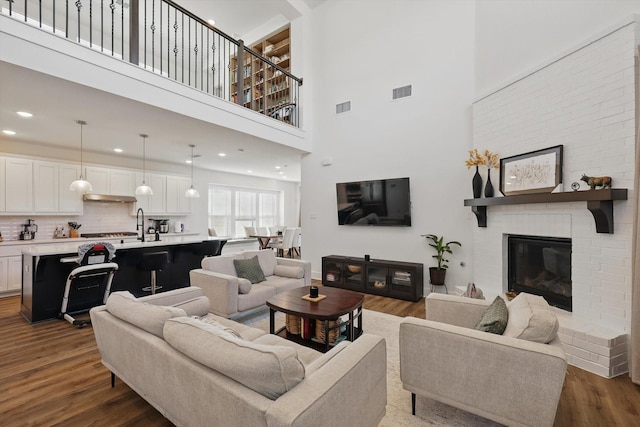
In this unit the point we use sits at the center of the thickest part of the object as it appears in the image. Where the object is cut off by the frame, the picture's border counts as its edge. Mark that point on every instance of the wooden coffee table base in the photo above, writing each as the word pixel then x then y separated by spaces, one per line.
pixel 339 302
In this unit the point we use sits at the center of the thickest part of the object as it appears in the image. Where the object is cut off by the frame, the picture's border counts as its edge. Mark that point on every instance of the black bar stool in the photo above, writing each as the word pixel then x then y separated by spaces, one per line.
pixel 153 262
pixel 209 248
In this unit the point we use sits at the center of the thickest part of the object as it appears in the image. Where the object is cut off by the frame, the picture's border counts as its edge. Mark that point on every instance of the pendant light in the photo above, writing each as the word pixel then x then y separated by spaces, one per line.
pixel 81 184
pixel 192 193
pixel 144 189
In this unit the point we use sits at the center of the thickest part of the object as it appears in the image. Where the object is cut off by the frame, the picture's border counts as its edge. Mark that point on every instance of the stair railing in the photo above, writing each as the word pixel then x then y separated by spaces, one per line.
pixel 164 38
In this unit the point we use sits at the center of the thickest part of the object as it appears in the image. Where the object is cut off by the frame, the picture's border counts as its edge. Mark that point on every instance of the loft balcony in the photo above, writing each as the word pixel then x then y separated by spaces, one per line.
pixel 161 37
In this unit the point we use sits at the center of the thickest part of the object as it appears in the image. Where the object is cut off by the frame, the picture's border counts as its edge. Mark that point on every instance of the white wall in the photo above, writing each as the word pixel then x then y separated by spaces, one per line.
pixel 585 101
pixel 513 37
pixel 361 51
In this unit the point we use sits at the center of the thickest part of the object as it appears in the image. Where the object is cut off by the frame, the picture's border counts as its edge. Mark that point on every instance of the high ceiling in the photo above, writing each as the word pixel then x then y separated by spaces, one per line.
pixel 113 121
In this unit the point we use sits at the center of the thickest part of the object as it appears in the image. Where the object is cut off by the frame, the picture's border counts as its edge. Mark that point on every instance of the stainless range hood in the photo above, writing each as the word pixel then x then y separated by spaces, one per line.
pixel 108 198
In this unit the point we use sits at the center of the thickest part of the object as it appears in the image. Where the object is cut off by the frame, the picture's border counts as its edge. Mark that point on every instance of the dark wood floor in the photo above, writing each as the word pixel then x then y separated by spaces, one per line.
pixel 50 374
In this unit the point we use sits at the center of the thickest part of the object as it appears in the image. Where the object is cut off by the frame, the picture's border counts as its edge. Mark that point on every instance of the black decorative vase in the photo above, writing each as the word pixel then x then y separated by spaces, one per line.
pixel 488 189
pixel 477 184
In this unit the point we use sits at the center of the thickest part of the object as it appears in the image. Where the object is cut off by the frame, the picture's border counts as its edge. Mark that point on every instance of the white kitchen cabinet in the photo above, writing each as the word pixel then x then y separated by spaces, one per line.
pixel 69 201
pixel 46 188
pixel 117 182
pixel 18 185
pixel 2 185
pixel 177 203
pixel 99 179
pixel 155 204
pixel 121 182
pixel 10 273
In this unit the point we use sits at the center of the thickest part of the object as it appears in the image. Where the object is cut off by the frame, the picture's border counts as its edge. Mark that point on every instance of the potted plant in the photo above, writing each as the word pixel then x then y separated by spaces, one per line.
pixel 437 274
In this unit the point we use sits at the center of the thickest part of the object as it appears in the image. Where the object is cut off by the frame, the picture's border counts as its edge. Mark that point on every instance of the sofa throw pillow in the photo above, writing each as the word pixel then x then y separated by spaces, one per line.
pixel 249 269
pixel 270 370
pixel 214 323
pixel 244 286
pixel 494 319
pixel 289 271
pixel 148 317
pixel 531 319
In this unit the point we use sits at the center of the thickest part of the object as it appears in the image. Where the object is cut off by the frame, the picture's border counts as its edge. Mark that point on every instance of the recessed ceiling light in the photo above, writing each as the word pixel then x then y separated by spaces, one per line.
pixel 277 167
pixel 188 161
pixel 9 132
pixel 221 154
pixel 24 114
pixel 211 21
pixel 118 150
pixel 280 172
pixel 249 171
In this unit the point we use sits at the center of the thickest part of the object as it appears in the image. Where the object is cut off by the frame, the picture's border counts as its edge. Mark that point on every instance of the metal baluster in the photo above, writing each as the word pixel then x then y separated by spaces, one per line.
pixel 122 30
pixel 79 6
pixel 101 25
pixel 168 41
pixel 40 13
pixel 182 51
pixel 201 58
pixel 54 15
pixel 175 44
pixel 112 6
pixel 145 34
pixel 160 38
pixel 90 23
pixel 25 11
pixel 153 35
pixel 189 57
pixel 66 19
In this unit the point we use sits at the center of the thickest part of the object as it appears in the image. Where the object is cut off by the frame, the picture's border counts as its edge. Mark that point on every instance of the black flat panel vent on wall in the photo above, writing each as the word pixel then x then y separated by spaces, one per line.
pixel 402 92
pixel 343 108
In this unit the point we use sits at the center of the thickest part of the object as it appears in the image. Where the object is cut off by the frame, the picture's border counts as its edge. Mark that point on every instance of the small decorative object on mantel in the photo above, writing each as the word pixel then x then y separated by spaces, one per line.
pixel 597 181
pixel 575 186
pixel 475 159
pixel 493 161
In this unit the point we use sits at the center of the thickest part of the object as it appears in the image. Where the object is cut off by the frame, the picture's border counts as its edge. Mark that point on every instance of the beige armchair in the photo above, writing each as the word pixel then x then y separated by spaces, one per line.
pixel 508 380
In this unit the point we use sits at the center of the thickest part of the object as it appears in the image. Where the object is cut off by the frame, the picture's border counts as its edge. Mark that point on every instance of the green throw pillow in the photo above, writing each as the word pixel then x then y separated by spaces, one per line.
pixel 495 317
pixel 249 269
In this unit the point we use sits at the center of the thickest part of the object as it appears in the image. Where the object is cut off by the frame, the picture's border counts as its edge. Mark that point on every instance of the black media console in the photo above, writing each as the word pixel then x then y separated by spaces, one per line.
pixel 395 279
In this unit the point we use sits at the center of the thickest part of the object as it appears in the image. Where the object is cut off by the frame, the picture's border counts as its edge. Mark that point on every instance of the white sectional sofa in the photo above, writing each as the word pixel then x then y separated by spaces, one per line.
pixel 231 296
pixel 211 371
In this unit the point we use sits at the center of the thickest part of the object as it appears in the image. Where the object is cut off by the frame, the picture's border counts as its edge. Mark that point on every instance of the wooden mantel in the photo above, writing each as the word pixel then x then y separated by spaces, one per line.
pixel 599 203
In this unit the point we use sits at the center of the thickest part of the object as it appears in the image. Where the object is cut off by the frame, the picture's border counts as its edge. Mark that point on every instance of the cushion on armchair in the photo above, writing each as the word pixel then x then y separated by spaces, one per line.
pixel 495 317
pixel 244 285
pixel 249 269
pixel 531 319
pixel 289 271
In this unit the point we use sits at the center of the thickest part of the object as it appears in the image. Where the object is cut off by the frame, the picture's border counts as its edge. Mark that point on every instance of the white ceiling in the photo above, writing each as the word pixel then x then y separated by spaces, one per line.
pixel 113 121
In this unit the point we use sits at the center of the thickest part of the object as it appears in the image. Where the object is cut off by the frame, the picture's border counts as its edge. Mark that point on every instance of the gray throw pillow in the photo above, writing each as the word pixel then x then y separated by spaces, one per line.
pixel 249 269
pixel 495 317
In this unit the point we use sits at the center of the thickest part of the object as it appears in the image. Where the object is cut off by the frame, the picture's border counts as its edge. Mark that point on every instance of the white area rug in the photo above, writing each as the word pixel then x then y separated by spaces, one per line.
pixel 428 412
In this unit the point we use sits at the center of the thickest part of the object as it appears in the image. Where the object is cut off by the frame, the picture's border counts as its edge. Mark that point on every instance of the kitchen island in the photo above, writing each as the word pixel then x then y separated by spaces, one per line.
pixel 45 269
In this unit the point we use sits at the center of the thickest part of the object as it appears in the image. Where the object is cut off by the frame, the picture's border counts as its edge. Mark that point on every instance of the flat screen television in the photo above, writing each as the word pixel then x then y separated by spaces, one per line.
pixel 380 202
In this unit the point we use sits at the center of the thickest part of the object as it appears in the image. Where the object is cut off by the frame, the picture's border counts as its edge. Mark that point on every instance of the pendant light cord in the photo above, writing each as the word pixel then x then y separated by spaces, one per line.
pixel 81 123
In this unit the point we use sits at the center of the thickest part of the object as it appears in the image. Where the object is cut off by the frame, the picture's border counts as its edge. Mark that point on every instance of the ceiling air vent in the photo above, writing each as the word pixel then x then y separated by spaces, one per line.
pixel 402 92
pixel 343 108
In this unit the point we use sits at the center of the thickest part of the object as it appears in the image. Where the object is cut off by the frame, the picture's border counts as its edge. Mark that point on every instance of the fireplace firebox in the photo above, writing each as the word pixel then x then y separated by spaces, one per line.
pixel 541 266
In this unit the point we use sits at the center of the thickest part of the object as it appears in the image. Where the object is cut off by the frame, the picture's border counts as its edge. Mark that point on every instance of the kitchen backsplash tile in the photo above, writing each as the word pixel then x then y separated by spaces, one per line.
pixel 97 217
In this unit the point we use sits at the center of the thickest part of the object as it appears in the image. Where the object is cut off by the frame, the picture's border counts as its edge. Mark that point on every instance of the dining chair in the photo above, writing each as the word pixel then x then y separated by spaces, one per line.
pixel 249 231
pixel 212 232
pixel 286 243
pixel 262 231
pixel 295 245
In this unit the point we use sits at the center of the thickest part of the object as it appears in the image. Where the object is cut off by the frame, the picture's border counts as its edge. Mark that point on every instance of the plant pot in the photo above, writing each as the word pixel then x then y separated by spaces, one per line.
pixel 437 275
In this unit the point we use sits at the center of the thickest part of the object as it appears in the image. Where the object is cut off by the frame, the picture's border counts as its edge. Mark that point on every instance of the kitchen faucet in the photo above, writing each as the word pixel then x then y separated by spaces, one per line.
pixel 139 224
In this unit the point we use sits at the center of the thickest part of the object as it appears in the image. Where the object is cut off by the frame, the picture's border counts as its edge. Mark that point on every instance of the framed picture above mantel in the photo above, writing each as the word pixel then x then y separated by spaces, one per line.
pixel 538 171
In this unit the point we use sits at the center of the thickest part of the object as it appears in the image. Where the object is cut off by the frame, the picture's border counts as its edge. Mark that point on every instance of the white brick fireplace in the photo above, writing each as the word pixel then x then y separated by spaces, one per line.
pixel 585 100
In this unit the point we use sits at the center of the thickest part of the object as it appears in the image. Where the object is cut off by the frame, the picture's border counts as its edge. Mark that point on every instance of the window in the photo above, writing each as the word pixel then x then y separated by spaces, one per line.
pixel 233 208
